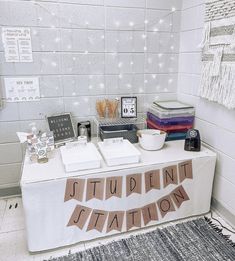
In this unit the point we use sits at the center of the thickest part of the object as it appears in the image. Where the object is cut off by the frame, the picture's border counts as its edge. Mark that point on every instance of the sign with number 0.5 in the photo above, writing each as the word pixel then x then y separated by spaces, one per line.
pixel 129 107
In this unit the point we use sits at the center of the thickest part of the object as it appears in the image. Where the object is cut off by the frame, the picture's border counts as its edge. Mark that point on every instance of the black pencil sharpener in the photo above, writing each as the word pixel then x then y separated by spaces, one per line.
pixel 192 140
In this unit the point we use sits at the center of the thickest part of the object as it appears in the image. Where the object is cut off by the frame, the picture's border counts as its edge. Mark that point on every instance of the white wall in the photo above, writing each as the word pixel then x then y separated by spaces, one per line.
pixel 216 123
pixel 71 80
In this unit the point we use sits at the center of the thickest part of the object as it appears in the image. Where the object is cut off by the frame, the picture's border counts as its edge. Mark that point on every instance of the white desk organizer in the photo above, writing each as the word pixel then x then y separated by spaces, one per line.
pixel 119 151
pixel 80 156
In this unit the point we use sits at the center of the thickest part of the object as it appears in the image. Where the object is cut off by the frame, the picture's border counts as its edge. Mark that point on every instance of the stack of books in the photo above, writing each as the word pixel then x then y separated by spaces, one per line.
pixel 173 117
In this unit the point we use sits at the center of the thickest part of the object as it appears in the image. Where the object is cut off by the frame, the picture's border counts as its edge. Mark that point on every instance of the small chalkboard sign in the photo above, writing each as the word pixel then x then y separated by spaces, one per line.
pixel 62 127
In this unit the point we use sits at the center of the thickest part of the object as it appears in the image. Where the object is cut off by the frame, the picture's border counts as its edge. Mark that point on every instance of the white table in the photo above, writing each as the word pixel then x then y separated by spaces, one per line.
pixel 47 215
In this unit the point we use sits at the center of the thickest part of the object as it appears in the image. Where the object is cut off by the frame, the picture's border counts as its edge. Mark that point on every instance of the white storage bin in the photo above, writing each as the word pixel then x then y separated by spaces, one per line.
pixel 119 153
pixel 81 157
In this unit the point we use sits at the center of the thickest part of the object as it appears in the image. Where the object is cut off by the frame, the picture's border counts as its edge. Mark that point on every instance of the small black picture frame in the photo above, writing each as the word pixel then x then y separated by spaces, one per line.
pixel 129 107
pixel 62 127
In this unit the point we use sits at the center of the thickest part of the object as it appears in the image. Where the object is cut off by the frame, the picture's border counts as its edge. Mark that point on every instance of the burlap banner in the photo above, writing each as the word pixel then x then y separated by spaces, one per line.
pixel 105 188
pixel 115 219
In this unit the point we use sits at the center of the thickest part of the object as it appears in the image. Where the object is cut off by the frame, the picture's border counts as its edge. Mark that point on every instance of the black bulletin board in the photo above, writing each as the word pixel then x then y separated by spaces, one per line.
pixel 62 127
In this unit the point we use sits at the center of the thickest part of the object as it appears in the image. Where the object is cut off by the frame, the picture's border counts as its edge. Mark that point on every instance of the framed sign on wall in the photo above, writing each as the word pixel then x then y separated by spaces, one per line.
pixel 129 107
pixel 62 127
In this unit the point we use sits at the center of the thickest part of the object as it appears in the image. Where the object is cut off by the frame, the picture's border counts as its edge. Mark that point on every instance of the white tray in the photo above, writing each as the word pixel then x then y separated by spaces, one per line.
pixel 119 153
pixel 81 157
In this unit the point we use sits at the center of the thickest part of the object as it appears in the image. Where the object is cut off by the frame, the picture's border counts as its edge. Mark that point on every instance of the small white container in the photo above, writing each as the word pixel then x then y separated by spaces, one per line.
pixel 150 139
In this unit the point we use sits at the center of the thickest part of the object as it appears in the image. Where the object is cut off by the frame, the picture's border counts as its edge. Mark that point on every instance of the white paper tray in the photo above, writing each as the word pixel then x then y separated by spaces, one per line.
pixel 118 154
pixel 81 157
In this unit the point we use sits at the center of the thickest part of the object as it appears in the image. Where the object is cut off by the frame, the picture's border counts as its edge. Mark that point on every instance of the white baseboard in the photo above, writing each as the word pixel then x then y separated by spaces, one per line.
pixel 224 213
pixel 10 191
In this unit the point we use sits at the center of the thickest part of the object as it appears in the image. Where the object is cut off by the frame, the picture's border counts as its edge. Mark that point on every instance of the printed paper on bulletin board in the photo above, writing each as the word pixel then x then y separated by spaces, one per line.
pixel 17 44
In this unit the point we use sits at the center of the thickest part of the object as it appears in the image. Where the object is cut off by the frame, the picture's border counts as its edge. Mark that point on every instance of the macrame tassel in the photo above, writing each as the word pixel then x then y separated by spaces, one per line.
pixel 218 54
pixel 206 35
pixel 232 45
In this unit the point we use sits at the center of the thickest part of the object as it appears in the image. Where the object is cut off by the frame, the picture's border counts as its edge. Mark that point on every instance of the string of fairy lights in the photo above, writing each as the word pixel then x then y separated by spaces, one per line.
pixel 130 27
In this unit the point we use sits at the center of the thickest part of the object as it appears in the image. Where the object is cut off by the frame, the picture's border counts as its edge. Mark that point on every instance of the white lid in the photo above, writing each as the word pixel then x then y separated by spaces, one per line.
pixel 120 150
pixel 172 105
pixel 80 154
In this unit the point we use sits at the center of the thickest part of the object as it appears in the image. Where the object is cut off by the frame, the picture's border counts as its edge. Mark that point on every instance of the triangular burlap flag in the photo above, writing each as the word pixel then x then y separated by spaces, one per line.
pixel 149 213
pixel 179 195
pixel 170 175
pixel 74 189
pixel 97 220
pixel 133 184
pixel 95 188
pixel 115 220
pixel 133 218
pixel 185 170
pixel 152 180
pixel 79 216
pixel 165 205
pixel 114 187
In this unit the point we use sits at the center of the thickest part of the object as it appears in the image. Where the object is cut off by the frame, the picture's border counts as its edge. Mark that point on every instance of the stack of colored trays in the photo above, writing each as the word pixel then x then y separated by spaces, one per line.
pixel 173 117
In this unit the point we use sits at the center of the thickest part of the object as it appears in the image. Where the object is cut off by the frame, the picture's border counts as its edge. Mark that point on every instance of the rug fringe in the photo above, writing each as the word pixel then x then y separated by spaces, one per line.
pixel 219 231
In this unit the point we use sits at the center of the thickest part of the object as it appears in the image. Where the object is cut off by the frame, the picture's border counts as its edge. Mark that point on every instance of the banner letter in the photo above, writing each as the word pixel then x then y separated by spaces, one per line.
pixel 170 175
pixel 179 195
pixel 149 213
pixel 95 189
pixel 185 170
pixel 152 180
pixel 74 189
pixel 165 205
pixel 79 216
pixel 115 221
pixel 97 220
pixel 133 218
pixel 113 187
pixel 133 184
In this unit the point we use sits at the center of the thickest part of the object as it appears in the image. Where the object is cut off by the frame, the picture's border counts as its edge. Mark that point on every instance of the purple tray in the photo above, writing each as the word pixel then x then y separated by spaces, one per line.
pixel 171 121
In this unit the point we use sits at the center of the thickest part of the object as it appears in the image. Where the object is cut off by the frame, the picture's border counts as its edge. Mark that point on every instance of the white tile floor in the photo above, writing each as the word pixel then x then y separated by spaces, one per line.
pixel 13 245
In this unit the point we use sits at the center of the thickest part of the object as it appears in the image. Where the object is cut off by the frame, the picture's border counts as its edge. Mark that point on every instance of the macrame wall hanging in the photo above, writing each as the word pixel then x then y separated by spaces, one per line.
pixel 218 53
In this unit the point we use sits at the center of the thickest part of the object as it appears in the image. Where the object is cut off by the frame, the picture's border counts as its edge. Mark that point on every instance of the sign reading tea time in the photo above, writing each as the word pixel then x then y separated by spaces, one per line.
pixel 22 89
pixel 84 190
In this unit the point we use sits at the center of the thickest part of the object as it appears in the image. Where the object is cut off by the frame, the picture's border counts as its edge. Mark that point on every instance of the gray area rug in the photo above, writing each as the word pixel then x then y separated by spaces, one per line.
pixel 197 240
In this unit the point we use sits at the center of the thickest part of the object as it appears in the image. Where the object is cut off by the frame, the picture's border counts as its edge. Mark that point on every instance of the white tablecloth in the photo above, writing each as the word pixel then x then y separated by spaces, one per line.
pixel 47 214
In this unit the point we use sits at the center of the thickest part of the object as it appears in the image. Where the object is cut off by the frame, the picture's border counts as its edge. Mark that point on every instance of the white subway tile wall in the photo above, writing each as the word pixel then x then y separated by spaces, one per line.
pixel 84 50
pixel 215 122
